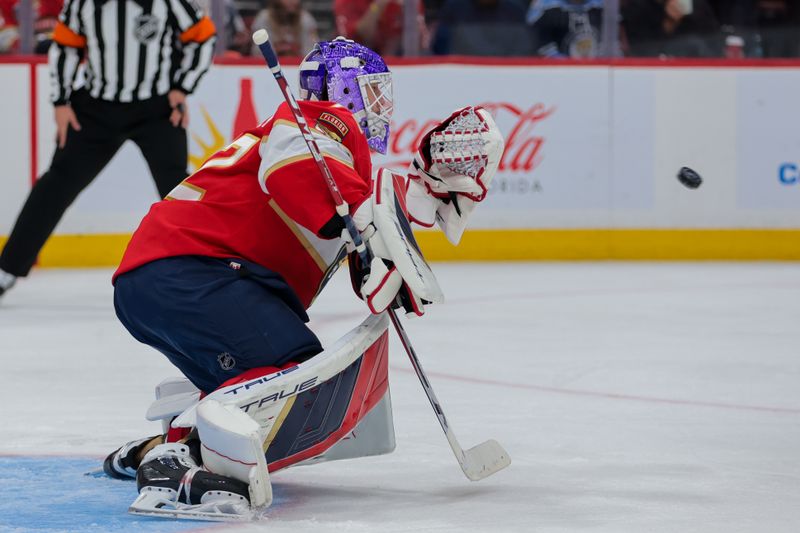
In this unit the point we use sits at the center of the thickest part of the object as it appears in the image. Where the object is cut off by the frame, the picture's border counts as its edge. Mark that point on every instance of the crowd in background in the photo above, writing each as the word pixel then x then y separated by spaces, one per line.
pixel 545 28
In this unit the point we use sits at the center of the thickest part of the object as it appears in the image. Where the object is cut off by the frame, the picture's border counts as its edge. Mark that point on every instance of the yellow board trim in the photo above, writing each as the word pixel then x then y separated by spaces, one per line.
pixel 618 244
pixel 515 245
pixel 81 251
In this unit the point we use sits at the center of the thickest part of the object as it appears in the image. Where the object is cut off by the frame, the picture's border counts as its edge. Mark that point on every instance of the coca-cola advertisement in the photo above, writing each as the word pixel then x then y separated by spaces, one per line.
pixel 555 171
pixel 587 146
pixel 556 153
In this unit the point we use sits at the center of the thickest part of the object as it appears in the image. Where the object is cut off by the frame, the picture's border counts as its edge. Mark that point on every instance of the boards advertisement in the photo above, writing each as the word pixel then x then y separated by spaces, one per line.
pixel 589 147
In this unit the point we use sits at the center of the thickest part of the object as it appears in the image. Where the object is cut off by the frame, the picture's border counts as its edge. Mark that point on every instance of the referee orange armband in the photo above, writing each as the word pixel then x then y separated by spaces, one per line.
pixel 64 36
pixel 200 32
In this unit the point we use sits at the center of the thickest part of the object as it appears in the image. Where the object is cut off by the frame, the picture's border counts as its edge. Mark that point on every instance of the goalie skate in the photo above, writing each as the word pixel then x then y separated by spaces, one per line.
pixel 172 485
pixel 123 462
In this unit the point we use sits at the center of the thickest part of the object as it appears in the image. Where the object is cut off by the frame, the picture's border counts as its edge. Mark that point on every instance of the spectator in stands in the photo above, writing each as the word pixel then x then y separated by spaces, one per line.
pixel 9 33
pixel 482 28
pixel 46 19
pixel 292 29
pixel 770 28
pixel 737 20
pixel 735 13
pixel 779 25
pixel 566 28
pixel 46 16
pixel 377 24
pixel 233 31
pixel 237 39
pixel 678 28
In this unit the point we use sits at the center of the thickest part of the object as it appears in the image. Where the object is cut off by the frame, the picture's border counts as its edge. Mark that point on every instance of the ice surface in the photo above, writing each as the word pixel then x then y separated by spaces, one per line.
pixel 632 397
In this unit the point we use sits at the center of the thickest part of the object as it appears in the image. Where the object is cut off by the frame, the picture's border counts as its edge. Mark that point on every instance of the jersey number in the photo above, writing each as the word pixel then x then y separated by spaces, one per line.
pixel 187 191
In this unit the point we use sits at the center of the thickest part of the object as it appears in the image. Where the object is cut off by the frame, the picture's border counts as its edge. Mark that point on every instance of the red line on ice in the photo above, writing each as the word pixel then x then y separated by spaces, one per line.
pixel 607 395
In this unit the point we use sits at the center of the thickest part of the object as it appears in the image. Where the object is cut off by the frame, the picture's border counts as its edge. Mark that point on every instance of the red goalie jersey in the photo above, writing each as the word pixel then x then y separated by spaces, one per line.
pixel 263 199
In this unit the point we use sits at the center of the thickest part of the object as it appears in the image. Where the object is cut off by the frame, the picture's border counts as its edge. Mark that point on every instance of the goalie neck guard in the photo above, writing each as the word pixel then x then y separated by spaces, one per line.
pixel 355 77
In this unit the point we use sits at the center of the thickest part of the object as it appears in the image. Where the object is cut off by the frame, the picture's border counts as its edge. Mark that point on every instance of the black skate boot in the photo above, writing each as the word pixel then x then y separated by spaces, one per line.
pixel 123 462
pixel 171 483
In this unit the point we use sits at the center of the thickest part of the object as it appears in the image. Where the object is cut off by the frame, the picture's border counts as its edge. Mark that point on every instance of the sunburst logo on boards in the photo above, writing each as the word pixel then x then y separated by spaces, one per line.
pixel 245 118
pixel 207 149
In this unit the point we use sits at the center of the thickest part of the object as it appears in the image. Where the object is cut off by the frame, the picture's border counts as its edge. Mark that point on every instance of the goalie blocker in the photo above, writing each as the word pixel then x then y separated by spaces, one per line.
pixel 398 269
pixel 267 420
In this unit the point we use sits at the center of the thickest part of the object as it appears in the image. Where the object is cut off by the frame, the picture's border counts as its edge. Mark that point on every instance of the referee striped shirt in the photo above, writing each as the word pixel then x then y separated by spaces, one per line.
pixel 134 49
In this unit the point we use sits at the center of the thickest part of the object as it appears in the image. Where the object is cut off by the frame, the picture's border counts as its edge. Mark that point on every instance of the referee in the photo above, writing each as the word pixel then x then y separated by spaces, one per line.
pixel 142 58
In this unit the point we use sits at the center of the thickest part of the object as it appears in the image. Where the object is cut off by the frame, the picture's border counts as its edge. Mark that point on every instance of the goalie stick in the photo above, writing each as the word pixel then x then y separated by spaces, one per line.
pixel 478 462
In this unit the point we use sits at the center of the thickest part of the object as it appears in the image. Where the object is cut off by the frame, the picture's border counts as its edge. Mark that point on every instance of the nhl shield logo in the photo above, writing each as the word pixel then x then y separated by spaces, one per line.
pixel 226 361
pixel 146 28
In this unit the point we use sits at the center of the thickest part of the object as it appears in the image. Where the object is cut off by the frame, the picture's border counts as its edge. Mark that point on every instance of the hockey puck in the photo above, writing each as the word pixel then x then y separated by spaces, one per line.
pixel 689 178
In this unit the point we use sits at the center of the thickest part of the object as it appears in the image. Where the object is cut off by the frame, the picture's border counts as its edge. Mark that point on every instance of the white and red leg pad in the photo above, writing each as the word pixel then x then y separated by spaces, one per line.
pixel 295 406
pixel 232 445
pixel 177 394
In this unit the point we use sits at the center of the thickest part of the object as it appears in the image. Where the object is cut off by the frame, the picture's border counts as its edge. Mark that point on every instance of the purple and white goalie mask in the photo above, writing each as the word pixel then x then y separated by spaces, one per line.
pixel 355 77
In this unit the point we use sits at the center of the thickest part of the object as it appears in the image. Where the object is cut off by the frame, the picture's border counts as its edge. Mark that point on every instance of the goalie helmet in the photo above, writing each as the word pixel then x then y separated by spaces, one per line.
pixel 355 77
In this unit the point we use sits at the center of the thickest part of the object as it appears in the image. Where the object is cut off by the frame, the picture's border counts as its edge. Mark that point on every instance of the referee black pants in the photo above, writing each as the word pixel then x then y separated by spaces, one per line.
pixel 104 127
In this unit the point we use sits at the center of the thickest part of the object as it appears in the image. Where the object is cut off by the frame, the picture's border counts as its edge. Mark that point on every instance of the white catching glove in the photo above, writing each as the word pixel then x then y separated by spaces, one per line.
pixel 397 267
pixel 453 169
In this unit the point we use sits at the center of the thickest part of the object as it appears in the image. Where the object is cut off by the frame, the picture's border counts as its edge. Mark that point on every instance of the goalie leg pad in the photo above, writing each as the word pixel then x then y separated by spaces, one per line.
pixel 306 409
pixel 173 396
pixel 374 435
pixel 232 446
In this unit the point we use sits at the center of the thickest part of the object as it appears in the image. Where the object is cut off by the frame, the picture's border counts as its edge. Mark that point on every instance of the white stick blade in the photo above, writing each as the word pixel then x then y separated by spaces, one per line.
pixel 485 459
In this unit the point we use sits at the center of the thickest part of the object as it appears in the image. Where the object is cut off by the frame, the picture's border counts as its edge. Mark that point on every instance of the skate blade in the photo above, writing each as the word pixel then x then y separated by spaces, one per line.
pixel 97 472
pixel 182 514
pixel 161 503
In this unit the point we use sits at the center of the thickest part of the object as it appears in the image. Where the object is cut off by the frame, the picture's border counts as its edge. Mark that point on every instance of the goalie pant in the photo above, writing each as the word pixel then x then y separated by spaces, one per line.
pixel 213 318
